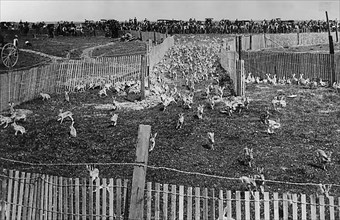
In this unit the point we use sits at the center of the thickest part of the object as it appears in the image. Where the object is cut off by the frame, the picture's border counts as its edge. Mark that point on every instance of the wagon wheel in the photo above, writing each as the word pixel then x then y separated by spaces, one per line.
pixel 9 55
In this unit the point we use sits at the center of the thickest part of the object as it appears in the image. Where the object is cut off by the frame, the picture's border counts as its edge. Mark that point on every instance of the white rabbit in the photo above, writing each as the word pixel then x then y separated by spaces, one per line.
pixel 323 158
pixel 80 87
pixel 17 116
pixel 73 131
pixel 249 182
pixel 67 97
pixel 211 102
pixel 323 189
pixel 248 155
pixel 45 96
pixel 200 109
pixel 225 211
pixel 180 121
pixel 18 128
pixel 152 141
pixel 5 120
pixel 103 92
pixel 62 115
pixel 211 139
pixel 114 119
pixel 259 179
pixel 94 172
pixel 207 90
pixel 220 91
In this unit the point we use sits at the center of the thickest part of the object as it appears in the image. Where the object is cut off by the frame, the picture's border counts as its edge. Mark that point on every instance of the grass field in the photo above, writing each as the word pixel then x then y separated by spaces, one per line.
pixel 120 48
pixel 26 60
pixel 58 46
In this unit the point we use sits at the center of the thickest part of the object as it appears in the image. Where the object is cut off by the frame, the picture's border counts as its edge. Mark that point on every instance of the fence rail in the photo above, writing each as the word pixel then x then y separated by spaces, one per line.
pixel 39 196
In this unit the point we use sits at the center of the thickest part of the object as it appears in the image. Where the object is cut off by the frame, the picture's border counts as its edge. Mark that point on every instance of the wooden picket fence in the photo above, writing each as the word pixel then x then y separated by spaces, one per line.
pixel 57 77
pixel 164 201
pixel 311 65
pixel 106 69
pixel 262 41
pixel 34 196
pixel 60 76
pixel 235 68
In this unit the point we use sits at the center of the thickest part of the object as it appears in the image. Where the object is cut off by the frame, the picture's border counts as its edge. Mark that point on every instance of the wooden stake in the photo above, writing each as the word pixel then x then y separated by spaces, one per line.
pixel 139 173
pixel 239 47
pixel 336 31
pixel 331 45
pixel 142 78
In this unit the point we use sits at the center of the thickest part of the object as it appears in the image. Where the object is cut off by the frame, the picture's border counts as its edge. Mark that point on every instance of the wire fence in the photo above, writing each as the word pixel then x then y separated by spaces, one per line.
pixel 65 198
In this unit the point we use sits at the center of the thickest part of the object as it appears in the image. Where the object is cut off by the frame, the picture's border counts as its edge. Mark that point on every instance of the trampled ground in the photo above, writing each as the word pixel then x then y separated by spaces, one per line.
pixel 309 122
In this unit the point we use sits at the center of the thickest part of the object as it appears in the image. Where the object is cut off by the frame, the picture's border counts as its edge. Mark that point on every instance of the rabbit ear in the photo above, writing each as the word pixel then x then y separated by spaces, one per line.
pixel 259 170
pixel 328 187
pixel 225 211
pixel 322 188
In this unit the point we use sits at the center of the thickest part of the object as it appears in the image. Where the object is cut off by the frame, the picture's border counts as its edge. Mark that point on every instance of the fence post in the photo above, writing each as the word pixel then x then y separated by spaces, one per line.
pixel 148 63
pixel 240 84
pixel 239 47
pixel 250 42
pixel 139 173
pixel 236 43
pixel 126 206
pixel 336 31
pixel 3 197
pixel 298 37
pixel 142 77
pixel 154 37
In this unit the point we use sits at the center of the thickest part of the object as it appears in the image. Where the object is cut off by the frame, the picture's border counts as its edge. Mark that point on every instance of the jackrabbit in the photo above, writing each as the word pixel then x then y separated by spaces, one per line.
pixel 94 172
pixel 18 128
pixel 152 141
pixel 45 96
pixel 180 121
pixel 62 115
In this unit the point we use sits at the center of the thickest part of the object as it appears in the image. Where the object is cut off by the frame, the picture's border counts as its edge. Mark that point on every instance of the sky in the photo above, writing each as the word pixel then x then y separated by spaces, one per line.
pixel 70 10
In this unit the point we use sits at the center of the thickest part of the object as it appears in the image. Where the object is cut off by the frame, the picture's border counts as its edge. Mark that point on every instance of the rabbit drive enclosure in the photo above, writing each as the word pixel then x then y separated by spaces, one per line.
pixel 239 141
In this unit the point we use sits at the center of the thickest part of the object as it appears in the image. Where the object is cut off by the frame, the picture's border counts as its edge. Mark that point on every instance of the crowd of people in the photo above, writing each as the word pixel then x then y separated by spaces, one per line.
pixel 111 27
pixel 65 28
pixel 229 27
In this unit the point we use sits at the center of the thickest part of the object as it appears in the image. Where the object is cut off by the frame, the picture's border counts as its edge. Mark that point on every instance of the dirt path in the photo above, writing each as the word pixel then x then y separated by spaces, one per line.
pixel 43 54
pixel 87 53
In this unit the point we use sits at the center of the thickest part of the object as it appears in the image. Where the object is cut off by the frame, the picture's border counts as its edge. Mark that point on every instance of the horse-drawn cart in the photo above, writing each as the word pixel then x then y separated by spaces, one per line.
pixel 9 55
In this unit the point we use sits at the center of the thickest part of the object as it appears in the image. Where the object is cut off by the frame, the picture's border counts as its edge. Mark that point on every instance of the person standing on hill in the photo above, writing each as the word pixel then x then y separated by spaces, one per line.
pixel 16 41
pixel 2 40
